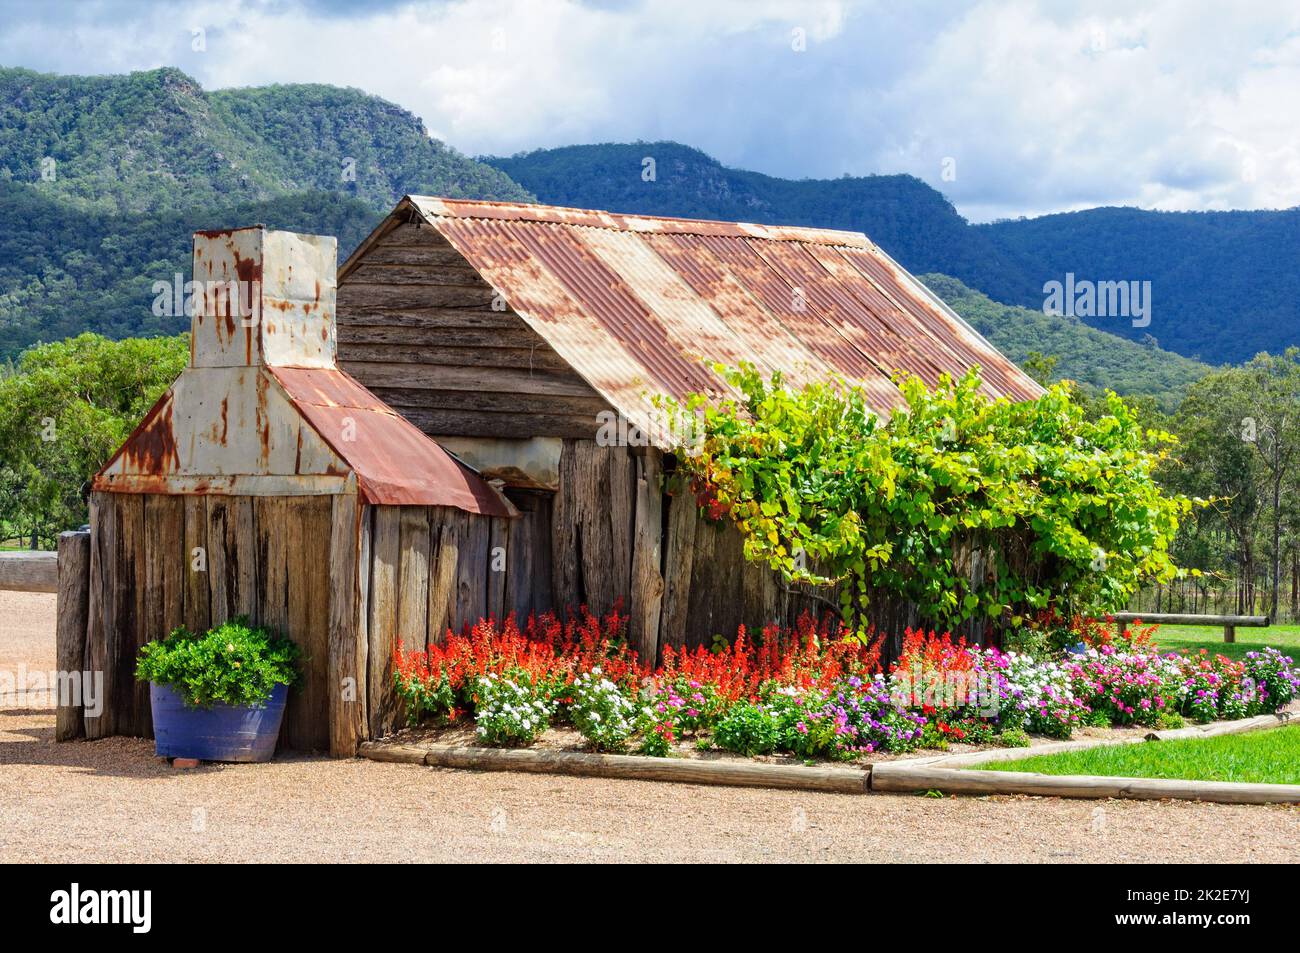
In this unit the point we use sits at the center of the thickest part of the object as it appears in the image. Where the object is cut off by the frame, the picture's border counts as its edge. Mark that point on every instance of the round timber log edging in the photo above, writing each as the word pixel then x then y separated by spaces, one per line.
pixel 1214 728
pixel 949 775
pixel 627 767
pixel 907 776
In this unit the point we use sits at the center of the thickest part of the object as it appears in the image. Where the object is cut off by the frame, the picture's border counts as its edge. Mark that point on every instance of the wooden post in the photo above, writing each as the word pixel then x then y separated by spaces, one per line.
pixel 647 581
pixel 444 557
pixel 73 615
pixel 385 554
pixel 346 681
pixel 679 562
pixel 96 657
pixel 1230 633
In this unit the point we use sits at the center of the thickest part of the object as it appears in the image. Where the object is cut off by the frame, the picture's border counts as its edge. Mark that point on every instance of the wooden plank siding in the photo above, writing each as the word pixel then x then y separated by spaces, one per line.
pixel 618 537
pixel 160 561
pixel 347 582
pixel 430 570
pixel 417 324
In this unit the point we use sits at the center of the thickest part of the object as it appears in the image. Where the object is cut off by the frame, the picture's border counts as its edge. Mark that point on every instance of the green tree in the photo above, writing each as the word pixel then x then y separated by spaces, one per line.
pixel 1240 430
pixel 1272 429
pixel 64 409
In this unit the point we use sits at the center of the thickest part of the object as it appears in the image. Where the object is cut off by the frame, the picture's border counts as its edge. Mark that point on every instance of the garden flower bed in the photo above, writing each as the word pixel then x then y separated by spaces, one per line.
pixel 814 694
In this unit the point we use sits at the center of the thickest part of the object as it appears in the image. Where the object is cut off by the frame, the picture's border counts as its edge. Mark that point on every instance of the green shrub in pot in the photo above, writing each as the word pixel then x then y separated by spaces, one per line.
pixel 233 663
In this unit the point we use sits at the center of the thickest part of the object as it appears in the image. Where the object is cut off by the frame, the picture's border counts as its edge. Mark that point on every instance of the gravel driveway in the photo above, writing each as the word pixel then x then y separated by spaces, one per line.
pixel 112 800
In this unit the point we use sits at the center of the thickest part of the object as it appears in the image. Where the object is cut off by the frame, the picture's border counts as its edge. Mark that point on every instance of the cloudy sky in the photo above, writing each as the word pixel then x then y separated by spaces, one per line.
pixel 1010 107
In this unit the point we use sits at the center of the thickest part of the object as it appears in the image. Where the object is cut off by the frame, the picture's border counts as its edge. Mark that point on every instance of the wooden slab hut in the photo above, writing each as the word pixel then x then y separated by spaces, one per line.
pixel 268 483
pixel 531 341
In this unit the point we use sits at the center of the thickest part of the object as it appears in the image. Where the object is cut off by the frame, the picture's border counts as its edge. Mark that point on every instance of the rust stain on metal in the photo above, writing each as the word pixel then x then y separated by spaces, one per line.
pixel 639 305
pixel 394 461
pixel 154 447
pixel 151 447
pixel 263 424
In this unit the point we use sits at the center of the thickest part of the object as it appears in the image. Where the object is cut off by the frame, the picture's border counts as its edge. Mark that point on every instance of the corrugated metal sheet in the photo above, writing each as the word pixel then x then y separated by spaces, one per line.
pixel 263 409
pixel 394 462
pixel 641 306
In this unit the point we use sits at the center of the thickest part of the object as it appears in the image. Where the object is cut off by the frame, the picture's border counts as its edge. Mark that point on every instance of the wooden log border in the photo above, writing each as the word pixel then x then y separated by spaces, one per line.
pixel 1235 727
pixel 627 767
pixel 947 774
pixel 892 777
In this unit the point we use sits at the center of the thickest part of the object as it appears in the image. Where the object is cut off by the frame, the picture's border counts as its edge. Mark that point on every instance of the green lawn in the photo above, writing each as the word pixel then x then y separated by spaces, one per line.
pixel 1271 757
pixel 1193 638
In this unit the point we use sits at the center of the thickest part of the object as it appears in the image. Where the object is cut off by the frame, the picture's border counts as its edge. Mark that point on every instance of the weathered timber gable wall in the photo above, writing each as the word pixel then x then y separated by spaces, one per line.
pixel 416 325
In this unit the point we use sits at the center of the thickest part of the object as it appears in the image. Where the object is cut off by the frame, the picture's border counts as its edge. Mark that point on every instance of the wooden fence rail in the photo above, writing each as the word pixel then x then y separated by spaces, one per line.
pixel 1230 623
pixel 67 573
pixel 29 571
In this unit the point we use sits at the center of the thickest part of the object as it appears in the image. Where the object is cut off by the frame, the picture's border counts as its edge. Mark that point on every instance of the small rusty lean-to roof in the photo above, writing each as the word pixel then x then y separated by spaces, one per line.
pixel 640 305
pixel 394 462
pixel 262 409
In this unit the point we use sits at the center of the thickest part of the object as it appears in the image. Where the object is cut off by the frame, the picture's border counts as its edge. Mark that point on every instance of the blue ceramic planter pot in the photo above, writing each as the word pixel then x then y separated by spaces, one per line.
pixel 220 733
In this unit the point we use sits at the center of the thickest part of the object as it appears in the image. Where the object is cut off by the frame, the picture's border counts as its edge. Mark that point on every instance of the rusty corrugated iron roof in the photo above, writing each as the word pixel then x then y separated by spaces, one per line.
pixel 641 305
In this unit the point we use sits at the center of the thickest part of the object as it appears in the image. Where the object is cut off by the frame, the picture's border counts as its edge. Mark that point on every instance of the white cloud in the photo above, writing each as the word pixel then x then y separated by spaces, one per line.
pixel 1163 104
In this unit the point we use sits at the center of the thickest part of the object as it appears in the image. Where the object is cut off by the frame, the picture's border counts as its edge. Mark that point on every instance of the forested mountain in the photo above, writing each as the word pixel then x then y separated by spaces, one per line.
pixel 103 180
pixel 1224 285
pixel 64 270
pixel 155 141
pixel 1093 358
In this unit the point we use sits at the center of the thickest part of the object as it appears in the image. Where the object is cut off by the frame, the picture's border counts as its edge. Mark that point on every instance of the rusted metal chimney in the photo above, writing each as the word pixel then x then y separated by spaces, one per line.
pixel 263 297
pixel 263 410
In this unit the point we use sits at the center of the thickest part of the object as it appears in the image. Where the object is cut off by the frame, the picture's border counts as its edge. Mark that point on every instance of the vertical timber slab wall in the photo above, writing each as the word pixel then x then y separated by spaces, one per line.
pixel 347 639
pixel 426 570
pixel 592 522
pixel 157 562
pixel 682 580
